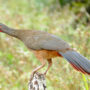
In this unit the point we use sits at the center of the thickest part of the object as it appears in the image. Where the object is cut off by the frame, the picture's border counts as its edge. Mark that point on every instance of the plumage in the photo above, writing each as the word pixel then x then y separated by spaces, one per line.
pixel 46 46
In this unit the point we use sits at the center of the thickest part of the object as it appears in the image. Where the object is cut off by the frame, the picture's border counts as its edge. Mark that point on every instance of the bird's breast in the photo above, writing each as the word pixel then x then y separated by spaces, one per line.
pixel 46 54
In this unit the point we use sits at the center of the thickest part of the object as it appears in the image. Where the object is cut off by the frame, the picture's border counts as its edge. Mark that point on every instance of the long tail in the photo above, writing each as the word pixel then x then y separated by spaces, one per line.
pixel 78 61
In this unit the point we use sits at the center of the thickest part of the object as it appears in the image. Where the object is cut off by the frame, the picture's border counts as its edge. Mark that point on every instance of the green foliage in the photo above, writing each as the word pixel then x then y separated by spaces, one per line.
pixel 63 2
pixel 85 81
pixel 17 63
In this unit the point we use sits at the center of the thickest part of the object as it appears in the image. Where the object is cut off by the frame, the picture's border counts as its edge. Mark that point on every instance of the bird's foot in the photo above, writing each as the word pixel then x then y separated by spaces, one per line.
pixel 45 74
pixel 32 74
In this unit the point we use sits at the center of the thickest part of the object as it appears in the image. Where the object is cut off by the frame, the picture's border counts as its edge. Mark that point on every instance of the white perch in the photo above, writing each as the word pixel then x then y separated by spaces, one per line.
pixel 38 82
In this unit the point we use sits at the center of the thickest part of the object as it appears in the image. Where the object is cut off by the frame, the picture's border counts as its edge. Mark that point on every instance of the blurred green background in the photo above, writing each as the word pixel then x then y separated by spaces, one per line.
pixel 68 19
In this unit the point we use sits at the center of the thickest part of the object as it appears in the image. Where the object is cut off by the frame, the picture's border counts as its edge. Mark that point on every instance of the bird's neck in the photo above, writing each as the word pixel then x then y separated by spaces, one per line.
pixel 11 32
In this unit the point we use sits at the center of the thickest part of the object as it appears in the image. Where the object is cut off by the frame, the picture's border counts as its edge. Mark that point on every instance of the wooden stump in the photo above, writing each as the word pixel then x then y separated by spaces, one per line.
pixel 38 82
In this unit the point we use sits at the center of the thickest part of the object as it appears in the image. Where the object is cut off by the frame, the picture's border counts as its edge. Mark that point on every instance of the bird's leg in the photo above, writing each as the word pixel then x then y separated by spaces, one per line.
pixel 38 68
pixel 49 65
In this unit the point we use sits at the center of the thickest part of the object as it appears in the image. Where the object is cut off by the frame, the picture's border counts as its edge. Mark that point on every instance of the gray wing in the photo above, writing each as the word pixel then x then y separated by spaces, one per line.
pixel 52 42
pixel 38 40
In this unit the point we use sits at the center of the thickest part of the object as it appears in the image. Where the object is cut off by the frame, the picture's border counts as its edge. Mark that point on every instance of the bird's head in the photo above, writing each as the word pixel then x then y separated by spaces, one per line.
pixel 3 27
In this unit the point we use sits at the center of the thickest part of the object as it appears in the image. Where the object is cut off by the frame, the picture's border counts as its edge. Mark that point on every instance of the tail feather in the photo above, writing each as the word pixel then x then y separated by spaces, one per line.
pixel 78 61
pixel 78 69
pixel 75 67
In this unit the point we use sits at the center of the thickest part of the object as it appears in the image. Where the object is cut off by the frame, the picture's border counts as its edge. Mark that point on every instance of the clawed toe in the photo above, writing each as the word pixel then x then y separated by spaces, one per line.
pixel 31 76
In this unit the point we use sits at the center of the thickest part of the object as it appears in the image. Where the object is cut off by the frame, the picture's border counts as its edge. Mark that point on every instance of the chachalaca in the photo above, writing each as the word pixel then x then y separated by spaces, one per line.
pixel 46 46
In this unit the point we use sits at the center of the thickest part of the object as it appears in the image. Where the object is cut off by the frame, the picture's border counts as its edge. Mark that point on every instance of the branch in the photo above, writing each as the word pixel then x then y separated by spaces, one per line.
pixel 38 82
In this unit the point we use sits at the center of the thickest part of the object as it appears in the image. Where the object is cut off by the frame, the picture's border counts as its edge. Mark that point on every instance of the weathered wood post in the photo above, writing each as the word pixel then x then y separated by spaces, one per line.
pixel 38 82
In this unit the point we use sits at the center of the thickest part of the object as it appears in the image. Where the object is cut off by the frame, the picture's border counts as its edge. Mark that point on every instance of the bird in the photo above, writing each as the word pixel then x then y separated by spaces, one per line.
pixel 46 46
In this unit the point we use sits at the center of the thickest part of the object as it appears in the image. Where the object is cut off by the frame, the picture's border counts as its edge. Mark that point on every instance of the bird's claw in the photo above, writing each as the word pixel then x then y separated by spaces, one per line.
pixel 31 76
